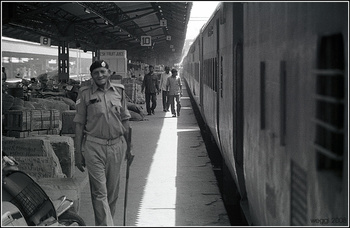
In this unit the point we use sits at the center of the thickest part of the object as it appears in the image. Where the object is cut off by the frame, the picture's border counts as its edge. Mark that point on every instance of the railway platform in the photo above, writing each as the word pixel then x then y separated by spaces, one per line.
pixel 171 180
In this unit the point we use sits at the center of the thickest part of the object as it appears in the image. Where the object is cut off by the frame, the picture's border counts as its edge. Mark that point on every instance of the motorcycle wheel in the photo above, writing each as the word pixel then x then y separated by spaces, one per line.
pixel 69 217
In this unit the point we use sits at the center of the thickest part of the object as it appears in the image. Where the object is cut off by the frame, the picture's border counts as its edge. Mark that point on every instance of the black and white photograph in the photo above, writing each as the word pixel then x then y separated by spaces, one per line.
pixel 175 113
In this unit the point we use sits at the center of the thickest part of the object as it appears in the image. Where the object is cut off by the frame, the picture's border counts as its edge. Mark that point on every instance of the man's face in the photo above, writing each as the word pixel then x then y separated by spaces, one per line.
pixel 167 69
pixel 100 75
pixel 151 69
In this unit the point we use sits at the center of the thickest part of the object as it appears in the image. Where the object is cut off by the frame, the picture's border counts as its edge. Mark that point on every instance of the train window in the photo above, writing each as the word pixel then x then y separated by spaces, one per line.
pixel 283 110
pixel 262 95
pixel 221 77
pixel 205 71
pixel 212 73
pixel 216 75
pixel 196 74
pixel 330 95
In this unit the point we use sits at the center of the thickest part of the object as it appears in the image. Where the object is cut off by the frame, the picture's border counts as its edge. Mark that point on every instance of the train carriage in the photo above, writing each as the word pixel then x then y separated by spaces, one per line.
pixel 293 64
pixel 192 70
pixel 273 90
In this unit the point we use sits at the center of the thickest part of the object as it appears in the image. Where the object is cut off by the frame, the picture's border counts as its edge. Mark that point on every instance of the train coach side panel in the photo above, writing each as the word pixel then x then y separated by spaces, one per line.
pixel 192 70
pixel 225 93
pixel 284 185
pixel 208 76
pixel 231 91
pixel 195 87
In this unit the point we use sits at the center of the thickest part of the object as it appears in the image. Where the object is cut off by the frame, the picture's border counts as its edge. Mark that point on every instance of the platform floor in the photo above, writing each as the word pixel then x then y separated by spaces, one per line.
pixel 171 179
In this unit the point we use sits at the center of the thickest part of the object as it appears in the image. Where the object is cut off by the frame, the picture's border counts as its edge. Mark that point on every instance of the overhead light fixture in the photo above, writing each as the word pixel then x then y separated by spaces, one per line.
pixel 106 22
pixel 86 10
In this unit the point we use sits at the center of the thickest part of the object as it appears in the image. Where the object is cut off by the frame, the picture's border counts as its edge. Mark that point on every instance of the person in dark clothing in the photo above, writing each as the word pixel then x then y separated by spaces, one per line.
pixel 4 76
pixel 151 87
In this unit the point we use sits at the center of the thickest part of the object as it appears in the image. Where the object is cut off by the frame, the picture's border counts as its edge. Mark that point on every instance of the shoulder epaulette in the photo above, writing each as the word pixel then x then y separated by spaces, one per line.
pixel 118 86
pixel 84 88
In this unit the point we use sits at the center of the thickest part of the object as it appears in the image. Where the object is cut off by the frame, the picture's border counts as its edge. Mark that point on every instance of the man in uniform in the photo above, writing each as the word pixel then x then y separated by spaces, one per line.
pixel 102 126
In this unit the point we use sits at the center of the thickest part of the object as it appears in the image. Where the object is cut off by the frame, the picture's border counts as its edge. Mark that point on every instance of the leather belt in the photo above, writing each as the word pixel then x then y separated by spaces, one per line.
pixel 107 142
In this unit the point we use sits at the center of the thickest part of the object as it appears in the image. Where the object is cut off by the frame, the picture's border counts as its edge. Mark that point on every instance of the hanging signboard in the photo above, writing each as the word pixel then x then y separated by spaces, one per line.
pixel 45 41
pixel 117 61
pixel 146 40
pixel 163 22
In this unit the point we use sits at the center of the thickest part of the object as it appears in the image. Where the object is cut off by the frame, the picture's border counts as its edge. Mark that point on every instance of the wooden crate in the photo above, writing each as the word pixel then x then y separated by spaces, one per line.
pixel 68 126
pixel 24 120
pixel 25 134
pixel 130 90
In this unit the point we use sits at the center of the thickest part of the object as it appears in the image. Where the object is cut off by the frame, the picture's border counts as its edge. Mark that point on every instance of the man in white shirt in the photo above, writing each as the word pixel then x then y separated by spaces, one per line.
pixel 174 85
pixel 163 79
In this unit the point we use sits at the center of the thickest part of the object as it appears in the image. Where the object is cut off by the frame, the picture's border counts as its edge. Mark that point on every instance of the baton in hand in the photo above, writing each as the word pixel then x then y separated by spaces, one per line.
pixel 130 158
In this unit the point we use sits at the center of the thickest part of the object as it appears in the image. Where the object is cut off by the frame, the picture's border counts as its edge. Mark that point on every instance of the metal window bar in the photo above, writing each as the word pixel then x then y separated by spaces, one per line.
pixel 328 72
pixel 328 126
pixel 329 99
pixel 327 153
pixel 333 100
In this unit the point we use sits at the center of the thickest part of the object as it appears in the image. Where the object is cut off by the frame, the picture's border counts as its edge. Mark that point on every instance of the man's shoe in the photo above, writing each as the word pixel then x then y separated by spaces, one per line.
pixel 174 115
pixel 178 114
pixel 153 112
pixel 149 114
pixel 164 110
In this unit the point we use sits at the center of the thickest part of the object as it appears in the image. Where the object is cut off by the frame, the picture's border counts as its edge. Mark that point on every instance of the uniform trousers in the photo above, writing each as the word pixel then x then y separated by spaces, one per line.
pixel 103 163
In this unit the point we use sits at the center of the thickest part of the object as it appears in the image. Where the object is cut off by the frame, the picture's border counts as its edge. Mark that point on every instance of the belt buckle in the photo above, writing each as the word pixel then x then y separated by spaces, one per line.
pixel 109 142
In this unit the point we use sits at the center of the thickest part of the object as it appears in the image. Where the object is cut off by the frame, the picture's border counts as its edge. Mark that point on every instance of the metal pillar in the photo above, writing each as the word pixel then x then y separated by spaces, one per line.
pixel 63 61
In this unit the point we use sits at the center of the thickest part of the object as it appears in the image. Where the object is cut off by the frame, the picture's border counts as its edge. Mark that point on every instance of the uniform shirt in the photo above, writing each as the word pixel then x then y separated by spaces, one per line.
pixel 150 83
pixel 163 79
pixel 101 112
pixel 174 83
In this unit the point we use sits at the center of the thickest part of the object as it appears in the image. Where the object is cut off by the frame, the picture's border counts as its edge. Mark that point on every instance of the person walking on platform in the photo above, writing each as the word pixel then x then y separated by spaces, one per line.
pixel 163 79
pixel 151 87
pixel 3 74
pixel 101 139
pixel 174 85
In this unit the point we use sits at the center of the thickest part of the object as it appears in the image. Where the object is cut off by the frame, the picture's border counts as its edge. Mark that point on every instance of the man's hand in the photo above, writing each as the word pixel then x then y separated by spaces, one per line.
pixel 80 162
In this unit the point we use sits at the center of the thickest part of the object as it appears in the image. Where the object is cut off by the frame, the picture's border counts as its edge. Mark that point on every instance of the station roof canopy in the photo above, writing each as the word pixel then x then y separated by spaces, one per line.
pixel 94 26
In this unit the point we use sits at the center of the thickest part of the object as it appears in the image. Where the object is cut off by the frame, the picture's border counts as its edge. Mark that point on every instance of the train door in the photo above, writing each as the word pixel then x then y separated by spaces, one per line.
pixel 238 112
pixel 238 118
